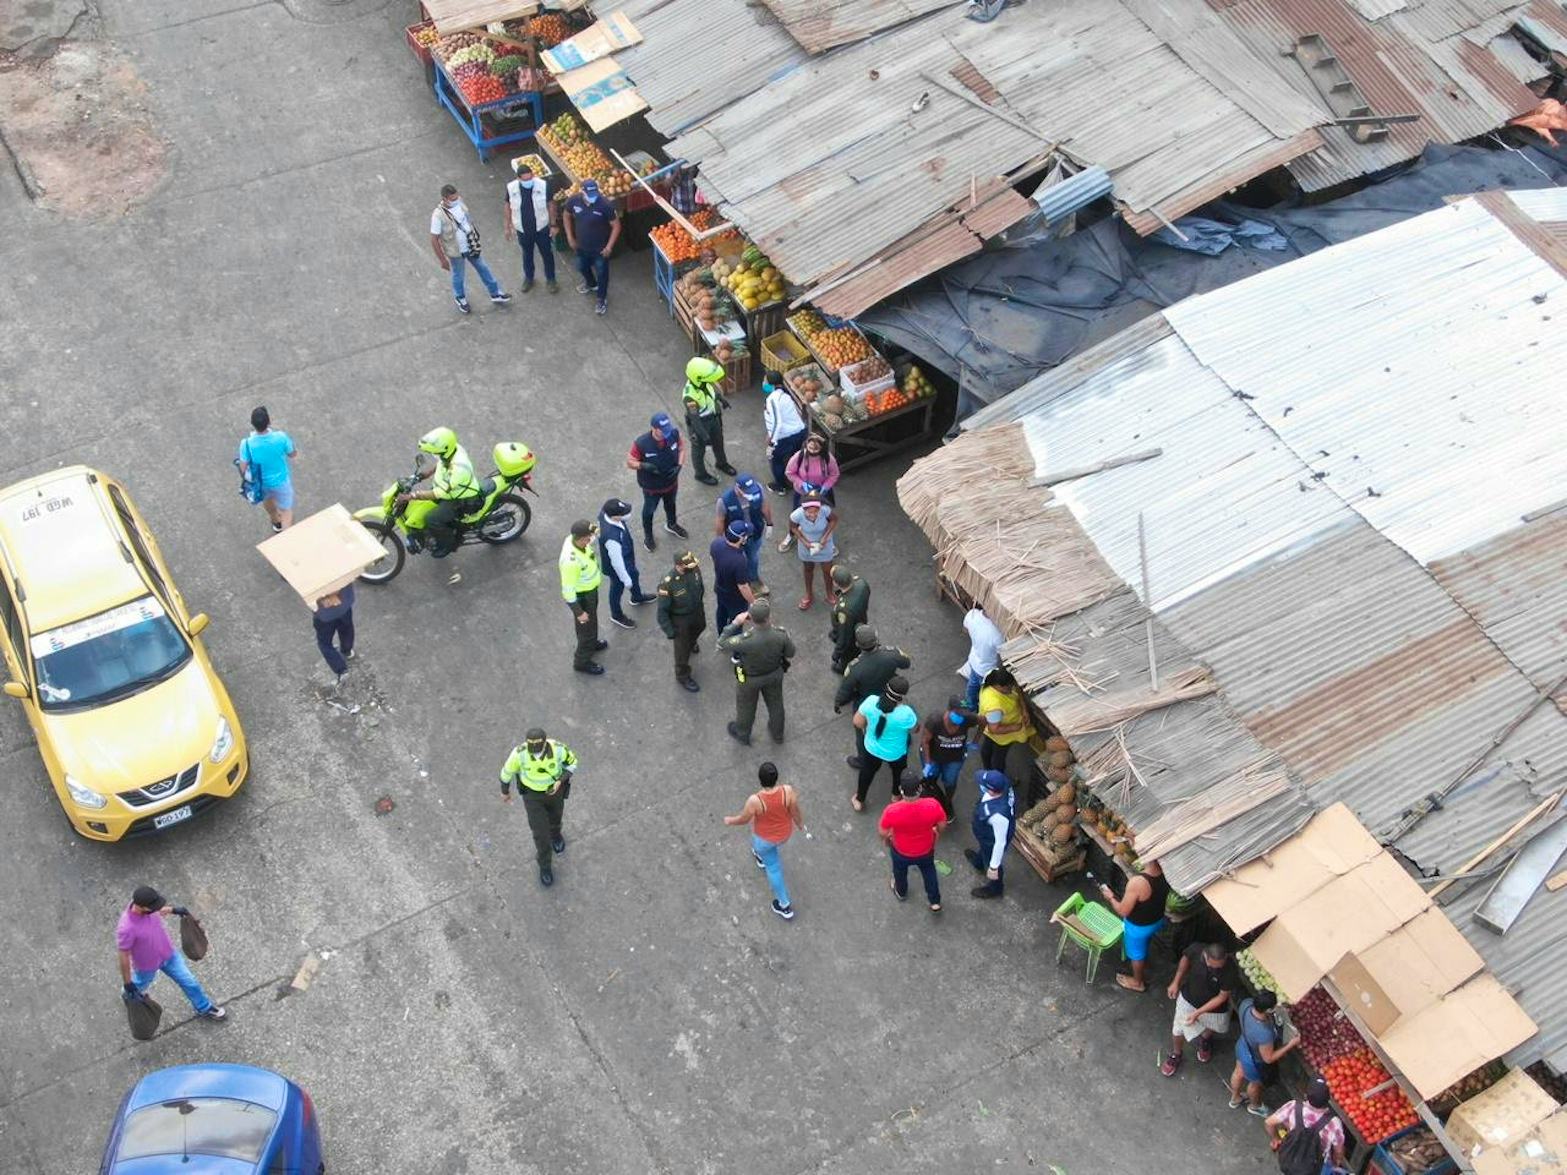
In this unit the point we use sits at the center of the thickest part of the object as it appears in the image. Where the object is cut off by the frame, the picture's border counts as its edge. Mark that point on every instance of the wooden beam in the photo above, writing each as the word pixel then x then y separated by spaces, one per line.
pixel 698 234
pixel 1533 813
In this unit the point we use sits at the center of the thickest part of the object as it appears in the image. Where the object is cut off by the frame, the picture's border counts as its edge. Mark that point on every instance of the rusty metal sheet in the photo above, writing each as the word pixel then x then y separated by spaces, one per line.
pixel 819 25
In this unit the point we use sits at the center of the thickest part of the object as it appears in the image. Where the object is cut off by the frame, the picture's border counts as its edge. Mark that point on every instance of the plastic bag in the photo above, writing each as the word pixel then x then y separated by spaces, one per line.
pixel 193 939
pixel 143 1012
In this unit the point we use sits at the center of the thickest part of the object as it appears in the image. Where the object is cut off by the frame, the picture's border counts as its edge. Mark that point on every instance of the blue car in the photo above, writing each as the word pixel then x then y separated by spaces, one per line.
pixel 214 1120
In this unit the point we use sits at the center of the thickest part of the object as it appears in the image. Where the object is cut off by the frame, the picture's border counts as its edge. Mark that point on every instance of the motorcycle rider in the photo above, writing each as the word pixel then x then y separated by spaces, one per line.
pixel 454 486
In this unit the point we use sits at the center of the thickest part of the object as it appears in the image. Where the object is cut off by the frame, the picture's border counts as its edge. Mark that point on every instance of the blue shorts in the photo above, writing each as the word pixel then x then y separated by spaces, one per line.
pixel 1134 939
pixel 280 496
pixel 1251 1068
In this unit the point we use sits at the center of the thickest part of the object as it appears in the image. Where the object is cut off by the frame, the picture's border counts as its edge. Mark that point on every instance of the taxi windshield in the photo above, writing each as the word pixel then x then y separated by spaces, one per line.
pixel 108 656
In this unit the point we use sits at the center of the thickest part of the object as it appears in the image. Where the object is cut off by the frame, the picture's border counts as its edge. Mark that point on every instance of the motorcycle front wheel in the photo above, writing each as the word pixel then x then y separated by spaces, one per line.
pixel 506 520
pixel 384 569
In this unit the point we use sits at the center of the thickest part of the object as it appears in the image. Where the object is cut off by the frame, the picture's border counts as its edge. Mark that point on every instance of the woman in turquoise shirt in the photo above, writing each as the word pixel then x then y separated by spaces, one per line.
pixel 887 722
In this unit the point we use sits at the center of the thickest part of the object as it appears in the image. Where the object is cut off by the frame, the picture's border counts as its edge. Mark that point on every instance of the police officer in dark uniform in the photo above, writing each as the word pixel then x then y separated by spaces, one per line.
pixel 852 610
pixel 761 655
pixel 868 676
pixel 682 614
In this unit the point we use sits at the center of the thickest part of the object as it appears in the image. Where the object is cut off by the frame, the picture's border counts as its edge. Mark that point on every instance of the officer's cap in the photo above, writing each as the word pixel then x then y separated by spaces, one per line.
pixel 581 529
pixel 535 735
pixel 761 611
pixel 865 636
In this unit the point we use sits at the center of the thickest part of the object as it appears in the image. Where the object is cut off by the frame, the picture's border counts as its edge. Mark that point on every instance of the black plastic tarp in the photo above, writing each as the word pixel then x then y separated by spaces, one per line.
pixel 995 322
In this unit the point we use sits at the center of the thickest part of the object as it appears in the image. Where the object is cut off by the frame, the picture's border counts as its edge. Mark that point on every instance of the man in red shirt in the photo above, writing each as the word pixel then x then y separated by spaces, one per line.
pixel 910 826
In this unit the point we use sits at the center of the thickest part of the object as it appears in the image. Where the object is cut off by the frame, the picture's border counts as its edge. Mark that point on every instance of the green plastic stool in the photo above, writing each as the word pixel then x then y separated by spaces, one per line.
pixel 1102 926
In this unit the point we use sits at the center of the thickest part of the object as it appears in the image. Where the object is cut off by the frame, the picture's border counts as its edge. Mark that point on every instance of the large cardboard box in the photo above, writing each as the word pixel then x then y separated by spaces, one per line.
pixel 1501 1116
pixel 1543 1151
pixel 1331 845
pixel 1406 972
pixel 321 554
pixel 1345 916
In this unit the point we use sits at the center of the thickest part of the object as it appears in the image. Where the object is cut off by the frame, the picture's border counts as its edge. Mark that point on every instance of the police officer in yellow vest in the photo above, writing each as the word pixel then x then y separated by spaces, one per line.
pixel 580 577
pixel 454 485
pixel 541 768
pixel 705 406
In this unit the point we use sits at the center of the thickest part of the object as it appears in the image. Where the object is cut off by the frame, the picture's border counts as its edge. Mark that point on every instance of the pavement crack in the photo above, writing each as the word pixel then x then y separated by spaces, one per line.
pixel 179 24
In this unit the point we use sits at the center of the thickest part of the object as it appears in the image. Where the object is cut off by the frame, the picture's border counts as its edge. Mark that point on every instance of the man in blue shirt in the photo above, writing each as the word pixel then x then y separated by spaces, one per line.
pixel 743 502
pixel 732 593
pixel 263 459
pixel 592 228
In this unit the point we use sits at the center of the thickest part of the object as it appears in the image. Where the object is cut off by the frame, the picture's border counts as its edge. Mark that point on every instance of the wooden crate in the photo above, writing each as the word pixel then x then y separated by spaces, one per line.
pixel 738 373
pixel 1050 868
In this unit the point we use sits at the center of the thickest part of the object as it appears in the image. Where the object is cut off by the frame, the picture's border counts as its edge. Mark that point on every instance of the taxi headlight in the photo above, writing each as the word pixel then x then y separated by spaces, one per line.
pixel 85 797
pixel 223 742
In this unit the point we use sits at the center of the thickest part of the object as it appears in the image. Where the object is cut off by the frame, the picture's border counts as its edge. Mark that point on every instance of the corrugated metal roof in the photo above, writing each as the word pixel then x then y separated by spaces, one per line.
pixel 1543 204
pixel 829 166
pixel 1451 61
pixel 819 25
pixel 1351 443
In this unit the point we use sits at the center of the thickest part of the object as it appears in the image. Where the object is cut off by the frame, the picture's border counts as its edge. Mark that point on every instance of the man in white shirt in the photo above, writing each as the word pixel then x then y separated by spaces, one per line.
pixel 785 430
pixel 530 213
pixel 456 243
pixel 984 653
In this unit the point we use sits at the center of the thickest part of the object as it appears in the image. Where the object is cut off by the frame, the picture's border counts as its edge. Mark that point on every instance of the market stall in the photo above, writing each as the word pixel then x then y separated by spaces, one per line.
pixel 849 390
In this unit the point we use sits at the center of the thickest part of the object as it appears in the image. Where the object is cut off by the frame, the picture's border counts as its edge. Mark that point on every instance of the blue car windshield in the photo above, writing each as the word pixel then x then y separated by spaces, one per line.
pixel 107 656
pixel 198 1126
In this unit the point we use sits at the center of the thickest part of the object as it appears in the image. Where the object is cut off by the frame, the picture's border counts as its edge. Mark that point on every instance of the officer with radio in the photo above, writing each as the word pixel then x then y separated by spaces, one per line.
pixel 761 654
pixel 542 769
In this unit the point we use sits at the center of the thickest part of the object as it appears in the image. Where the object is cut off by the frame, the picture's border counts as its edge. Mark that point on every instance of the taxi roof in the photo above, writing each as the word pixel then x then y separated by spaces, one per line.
pixel 57 539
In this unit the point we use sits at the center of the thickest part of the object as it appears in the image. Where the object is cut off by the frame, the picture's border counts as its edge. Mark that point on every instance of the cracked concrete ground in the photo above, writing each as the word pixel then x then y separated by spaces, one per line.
pixel 646 1015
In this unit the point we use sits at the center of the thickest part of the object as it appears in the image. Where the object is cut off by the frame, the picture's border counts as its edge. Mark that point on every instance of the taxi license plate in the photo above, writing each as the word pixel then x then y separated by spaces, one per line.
pixel 173 817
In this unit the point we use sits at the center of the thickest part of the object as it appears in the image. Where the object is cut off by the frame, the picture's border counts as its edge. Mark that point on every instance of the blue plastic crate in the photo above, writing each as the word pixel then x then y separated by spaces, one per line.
pixel 1382 1161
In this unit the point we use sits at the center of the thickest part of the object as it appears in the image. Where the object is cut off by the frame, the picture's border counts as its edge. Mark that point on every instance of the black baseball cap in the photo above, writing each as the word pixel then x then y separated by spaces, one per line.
pixel 147 898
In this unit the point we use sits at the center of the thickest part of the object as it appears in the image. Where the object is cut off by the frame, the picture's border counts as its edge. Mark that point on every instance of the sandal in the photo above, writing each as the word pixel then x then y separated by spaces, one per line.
pixel 1129 983
pixel 805 604
pixel 1204 1051
pixel 854 802
pixel 1170 1064
pixel 935 908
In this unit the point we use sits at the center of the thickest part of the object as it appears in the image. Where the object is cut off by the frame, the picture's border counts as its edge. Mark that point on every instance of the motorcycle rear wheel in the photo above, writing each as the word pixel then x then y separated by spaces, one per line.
pixel 506 521
pixel 385 569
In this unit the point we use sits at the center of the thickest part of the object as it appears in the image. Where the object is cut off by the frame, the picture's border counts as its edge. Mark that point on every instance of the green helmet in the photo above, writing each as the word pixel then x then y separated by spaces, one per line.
pixel 703 371
pixel 440 441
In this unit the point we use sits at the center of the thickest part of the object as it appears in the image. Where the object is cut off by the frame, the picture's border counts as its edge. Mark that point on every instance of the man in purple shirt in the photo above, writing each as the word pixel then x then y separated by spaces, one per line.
pixel 145 950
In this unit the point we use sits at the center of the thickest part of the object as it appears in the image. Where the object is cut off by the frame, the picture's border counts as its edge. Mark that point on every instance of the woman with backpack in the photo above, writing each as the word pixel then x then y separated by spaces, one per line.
pixel 1307 1135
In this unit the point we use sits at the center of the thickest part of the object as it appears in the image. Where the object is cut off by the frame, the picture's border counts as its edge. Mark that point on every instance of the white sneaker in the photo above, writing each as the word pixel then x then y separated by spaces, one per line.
pixel 788 541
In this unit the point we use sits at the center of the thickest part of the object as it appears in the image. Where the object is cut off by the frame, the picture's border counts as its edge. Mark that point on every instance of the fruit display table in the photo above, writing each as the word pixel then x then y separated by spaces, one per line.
pixel 477 119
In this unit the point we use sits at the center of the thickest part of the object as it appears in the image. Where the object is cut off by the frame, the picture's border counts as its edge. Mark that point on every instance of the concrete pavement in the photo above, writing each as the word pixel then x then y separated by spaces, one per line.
pixel 648 1013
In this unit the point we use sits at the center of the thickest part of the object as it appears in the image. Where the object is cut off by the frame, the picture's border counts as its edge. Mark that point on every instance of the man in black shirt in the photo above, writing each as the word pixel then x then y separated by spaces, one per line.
pixel 1205 979
pixel 945 741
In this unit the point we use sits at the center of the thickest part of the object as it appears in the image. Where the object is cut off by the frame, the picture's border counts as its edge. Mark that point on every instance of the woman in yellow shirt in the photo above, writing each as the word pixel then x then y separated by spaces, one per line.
pixel 1004 713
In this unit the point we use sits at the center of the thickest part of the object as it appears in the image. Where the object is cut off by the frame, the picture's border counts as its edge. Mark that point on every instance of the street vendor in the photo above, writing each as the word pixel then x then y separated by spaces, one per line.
pixel 1141 908
pixel 1205 981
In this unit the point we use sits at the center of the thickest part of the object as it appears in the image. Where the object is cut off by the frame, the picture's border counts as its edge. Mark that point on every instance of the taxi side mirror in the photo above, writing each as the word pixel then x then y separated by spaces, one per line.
pixel 15 689
pixel 198 624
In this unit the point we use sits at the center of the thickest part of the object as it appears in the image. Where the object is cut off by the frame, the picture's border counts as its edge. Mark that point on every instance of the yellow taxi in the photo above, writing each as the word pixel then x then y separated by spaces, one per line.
pixel 134 727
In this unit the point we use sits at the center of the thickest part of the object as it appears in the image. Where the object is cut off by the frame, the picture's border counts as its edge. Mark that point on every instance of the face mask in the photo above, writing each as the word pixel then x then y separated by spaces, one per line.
pixel 525 184
pixel 955 718
pixel 536 748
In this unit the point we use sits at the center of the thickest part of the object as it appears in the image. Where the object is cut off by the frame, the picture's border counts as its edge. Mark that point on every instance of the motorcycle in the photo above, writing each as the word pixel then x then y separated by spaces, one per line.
pixel 399 523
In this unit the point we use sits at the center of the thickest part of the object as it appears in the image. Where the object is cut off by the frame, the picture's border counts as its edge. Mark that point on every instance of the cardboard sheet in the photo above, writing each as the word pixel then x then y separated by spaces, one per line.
pixel 1502 1115
pixel 606 36
pixel 322 553
pixel 1334 843
pixel 602 93
pixel 1407 971
pixel 1345 916
pixel 1543 1151
pixel 1453 1037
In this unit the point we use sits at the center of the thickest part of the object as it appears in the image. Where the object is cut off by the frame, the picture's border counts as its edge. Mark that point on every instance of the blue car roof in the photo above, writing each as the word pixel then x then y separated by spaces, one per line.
pixel 241 1082
pixel 195 1165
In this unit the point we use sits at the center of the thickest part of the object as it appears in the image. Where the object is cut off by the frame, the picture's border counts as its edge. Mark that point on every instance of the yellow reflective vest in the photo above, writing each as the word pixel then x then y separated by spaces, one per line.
pixel 579 570
pixel 537 773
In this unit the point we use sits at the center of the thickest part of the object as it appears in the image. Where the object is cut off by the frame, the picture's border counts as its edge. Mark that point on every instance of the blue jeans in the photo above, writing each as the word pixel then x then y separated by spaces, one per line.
pixel 177 969
pixel 753 558
pixel 948 774
pixel 927 867
pixel 768 851
pixel 594 268
pixel 971 697
pixel 529 240
pixel 480 267
pixel 617 590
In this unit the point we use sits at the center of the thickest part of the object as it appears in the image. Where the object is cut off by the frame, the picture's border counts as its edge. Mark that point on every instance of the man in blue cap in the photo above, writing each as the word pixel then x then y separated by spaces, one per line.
pixel 658 456
pixel 732 592
pixel 745 502
pixel 592 228
pixel 993 825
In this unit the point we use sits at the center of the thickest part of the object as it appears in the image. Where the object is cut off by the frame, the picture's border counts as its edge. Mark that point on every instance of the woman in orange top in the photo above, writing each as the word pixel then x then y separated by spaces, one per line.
pixel 773 812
